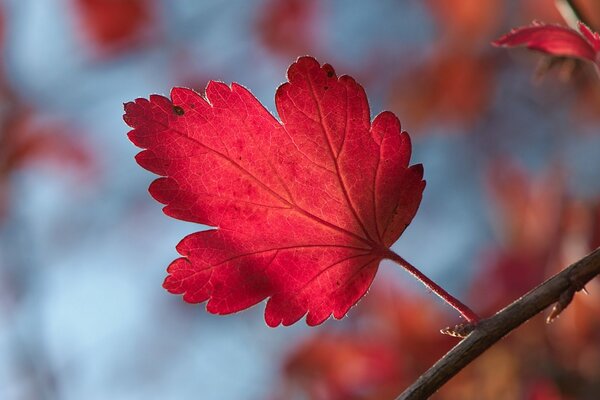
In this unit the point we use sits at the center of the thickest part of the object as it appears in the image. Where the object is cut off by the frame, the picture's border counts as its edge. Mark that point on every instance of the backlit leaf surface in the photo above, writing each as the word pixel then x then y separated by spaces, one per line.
pixel 303 209
pixel 556 40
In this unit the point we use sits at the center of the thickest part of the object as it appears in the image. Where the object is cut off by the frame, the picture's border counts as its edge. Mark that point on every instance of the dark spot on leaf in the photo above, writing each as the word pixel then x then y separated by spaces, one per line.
pixel 178 110
pixel 329 74
pixel 325 87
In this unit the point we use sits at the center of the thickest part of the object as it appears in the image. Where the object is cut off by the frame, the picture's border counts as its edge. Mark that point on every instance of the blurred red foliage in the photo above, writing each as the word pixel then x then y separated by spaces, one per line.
pixel 543 229
pixel 392 338
pixel 543 389
pixel 288 27
pixel 455 84
pixel 450 87
pixel 467 23
pixel 113 26
pixel 330 366
pixel 26 139
pixel 527 208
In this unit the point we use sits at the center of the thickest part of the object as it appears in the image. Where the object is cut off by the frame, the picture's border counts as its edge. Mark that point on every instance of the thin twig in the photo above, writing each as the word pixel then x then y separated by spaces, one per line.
pixel 490 330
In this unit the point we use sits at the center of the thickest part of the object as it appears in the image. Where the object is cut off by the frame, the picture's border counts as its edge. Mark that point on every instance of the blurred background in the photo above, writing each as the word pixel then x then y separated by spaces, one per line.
pixel 509 140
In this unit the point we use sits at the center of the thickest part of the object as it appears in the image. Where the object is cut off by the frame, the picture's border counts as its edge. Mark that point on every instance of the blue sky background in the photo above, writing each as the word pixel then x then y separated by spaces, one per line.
pixel 91 320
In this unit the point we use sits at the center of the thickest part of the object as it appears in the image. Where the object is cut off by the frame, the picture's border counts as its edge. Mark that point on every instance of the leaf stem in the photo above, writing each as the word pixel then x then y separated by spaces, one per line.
pixel 465 311
pixel 491 330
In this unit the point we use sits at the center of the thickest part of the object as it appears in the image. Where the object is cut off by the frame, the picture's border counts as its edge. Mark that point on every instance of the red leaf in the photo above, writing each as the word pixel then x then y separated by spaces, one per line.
pixel 555 40
pixel 453 87
pixel 344 366
pixel 465 23
pixel 27 139
pixel 392 338
pixel 114 25
pixel 288 26
pixel 305 209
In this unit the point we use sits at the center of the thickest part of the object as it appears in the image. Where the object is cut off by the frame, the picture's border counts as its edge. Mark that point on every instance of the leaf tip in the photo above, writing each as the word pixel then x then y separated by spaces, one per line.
pixel 419 170
pixel 498 42
pixel 270 319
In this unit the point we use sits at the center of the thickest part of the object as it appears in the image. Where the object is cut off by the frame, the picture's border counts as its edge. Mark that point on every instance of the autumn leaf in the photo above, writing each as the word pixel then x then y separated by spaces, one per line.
pixel 113 26
pixel 392 338
pixel 465 23
pixel 27 139
pixel 526 211
pixel 556 40
pixel 343 366
pixel 454 87
pixel 304 209
pixel 527 207
pixel 288 26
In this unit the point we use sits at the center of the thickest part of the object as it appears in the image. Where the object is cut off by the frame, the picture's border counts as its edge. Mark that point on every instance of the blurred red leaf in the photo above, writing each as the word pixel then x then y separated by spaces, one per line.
pixel 114 25
pixel 585 82
pixel 392 337
pixel 543 230
pixel 555 40
pixel 527 208
pixel 505 275
pixel 186 70
pixel 543 389
pixel 298 221
pixel 25 140
pixel 343 366
pixel 288 26
pixel 409 324
pixel 466 23
pixel 450 87
pixel 527 217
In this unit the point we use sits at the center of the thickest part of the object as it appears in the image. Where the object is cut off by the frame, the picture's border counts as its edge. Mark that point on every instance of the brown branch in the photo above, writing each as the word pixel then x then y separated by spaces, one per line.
pixel 558 289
